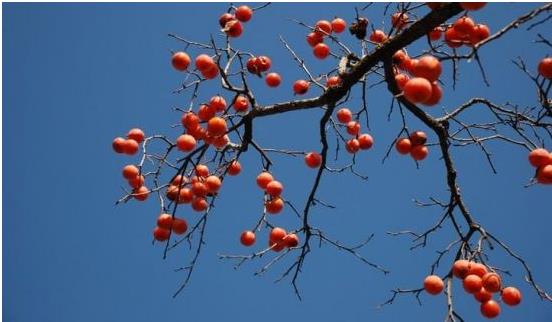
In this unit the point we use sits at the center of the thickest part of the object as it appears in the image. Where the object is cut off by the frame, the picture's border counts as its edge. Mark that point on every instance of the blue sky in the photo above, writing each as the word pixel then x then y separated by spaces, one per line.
pixel 77 75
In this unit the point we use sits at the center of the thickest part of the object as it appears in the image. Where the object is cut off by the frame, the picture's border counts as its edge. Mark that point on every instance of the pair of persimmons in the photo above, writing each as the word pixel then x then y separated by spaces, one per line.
pixel 542 160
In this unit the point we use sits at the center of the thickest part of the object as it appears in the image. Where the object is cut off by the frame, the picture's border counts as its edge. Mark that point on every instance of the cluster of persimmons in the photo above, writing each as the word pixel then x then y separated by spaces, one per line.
pixel 424 86
pixel 482 284
pixel 324 28
pixel 359 141
pixel 131 173
pixel 414 145
pixel 278 238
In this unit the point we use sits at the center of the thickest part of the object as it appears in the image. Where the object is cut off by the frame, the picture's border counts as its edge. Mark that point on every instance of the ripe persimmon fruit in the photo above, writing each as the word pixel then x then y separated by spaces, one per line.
pixel 428 67
pixel 206 112
pixel 321 50
pixel 161 234
pixel 244 13
pixel 478 269
pixel 539 157
pixel 263 179
pixel 545 67
pixel 218 103
pixel 291 240
pixel 409 64
pixel 263 63
pixel 300 87
pixel 274 188
pixel 273 79
pixel 190 120
pixel 198 132
pixel 224 18
pixel 136 135
pixel 234 168
pixel 479 33
pixel 314 39
pixel 419 152
pixel 180 61
pixel 401 80
pixel 172 192
pixel 199 189
pixel 483 295
pixel 277 246
pixel 464 25
pixel 352 146
pixel 461 268
pixel 403 145
pixel 353 128
pixel 544 174
pixel 179 226
pixel 365 141
pixel 511 296
pixel 185 143
pixel 216 126
pixel 165 221
pixel 201 170
pixel 418 138
pixel 472 283
pixel 417 90
pixel 233 28
pixel 452 38
pixel 338 25
pixel 313 159
pixel 399 57
pixel 492 282
pixel 130 171
pixel 119 145
pixel 130 147
pixel 247 238
pixel 433 284
pixel 213 184
pixel 251 65
pixel 210 72
pixel 203 62
pixel 274 205
pixel 490 309
pixel 344 115
pixel 136 182
pixel 277 234
pixel 185 195
pixel 221 141
pixel 241 104
pixel 140 193
pixel 199 204
pixel 323 27
pixel 378 36
pixel 436 94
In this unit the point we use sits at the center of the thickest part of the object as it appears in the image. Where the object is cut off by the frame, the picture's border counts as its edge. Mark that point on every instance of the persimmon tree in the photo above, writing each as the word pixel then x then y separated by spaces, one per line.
pixel 216 133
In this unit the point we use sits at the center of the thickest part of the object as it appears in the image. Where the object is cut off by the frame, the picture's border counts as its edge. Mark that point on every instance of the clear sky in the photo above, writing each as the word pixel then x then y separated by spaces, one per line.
pixel 77 75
